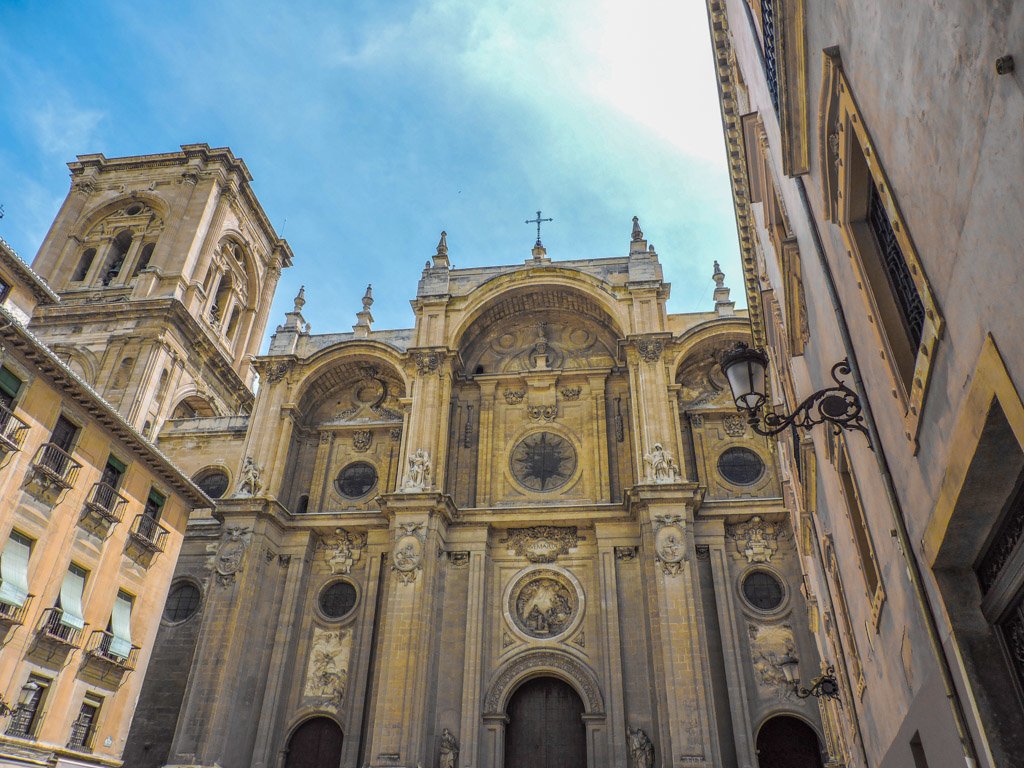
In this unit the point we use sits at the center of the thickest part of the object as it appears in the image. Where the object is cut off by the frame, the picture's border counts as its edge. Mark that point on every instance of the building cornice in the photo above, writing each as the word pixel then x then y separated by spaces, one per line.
pixel 736 155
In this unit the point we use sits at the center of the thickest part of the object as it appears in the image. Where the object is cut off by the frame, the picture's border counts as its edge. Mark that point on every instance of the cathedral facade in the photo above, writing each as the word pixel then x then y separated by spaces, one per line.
pixel 531 528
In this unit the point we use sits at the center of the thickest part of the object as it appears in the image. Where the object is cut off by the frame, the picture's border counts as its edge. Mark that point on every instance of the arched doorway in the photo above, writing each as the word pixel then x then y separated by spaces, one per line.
pixel 787 742
pixel 545 726
pixel 315 744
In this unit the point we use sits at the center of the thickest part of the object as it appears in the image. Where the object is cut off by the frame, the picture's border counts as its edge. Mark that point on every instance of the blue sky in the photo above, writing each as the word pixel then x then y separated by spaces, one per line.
pixel 371 126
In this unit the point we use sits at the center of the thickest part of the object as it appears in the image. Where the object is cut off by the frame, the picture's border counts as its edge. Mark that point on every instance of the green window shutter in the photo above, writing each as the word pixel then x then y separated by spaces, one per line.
pixel 117 464
pixel 9 383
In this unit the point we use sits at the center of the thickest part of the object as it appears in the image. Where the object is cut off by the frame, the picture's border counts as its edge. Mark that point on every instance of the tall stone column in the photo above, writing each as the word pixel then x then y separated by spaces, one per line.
pixel 472 675
pixel 683 695
pixel 427 426
pixel 653 420
pixel 419 523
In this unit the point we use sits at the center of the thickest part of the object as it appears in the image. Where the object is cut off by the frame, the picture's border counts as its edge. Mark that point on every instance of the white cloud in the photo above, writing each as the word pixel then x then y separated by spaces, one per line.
pixel 63 129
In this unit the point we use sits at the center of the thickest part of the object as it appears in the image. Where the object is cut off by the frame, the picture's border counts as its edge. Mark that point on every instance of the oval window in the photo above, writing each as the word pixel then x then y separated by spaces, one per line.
pixel 740 466
pixel 212 482
pixel 763 591
pixel 338 599
pixel 182 602
pixel 356 480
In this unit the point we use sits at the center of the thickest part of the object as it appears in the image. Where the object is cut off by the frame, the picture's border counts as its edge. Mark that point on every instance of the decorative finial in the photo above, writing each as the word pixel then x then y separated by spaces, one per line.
pixel 364 318
pixel 723 306
pixel 300 299
pixel 638 234
pixel 441 257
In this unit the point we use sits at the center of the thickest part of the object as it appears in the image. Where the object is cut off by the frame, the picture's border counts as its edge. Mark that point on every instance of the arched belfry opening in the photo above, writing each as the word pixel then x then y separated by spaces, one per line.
pixel 540 412
pixel 545 726
pixel 345 446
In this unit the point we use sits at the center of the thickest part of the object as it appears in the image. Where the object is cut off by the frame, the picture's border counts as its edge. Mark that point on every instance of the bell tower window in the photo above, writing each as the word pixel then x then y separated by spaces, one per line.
pixel 115 256
pixel 144 257
pixel 83 265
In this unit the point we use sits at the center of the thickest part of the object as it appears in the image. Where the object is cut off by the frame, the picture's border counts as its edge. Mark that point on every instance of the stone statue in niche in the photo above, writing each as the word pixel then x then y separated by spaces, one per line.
pixel 249 482
pixel 670 543
pixel 418 476
pixel 641 750
pixel 661 466
pixel 449 754
pixel 408 553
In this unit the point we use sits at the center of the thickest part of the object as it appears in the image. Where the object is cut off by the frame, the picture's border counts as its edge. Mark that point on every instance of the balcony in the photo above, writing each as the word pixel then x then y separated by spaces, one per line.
pixel 12 431
pixel 145 540
pixel 13 615
pixel 103 509
pixel 98 647
pixel 52 630
pixel 52 472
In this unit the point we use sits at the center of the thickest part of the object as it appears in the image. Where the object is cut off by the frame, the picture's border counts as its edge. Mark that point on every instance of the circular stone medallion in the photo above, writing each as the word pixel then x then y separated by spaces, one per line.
pixel 543 461
pixel 408 553
pixel 544 604
pixel 670 544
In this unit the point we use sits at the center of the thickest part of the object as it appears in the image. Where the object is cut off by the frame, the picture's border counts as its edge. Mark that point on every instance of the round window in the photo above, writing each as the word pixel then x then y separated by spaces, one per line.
pixel 356 480
pixel 763 591
pixel 212 482
pixel 133 210
pixel 740 466
pixel 338 600
pixel 543 461
pixel 182 602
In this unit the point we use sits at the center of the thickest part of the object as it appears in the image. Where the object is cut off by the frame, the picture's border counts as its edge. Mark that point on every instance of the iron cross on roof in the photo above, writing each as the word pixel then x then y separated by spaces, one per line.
pixel 537 221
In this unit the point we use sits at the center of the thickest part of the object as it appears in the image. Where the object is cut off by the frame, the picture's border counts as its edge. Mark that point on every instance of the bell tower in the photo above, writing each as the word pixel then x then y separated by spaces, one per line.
pixel 166 267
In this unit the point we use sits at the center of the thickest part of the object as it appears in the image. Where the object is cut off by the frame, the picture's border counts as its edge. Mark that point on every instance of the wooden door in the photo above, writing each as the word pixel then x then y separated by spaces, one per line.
pixel 786 742
pixel 545 728
pixel 315 744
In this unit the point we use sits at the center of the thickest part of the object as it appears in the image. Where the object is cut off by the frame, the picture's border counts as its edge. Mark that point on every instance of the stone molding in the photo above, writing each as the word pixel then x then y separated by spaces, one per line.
pixel 535 663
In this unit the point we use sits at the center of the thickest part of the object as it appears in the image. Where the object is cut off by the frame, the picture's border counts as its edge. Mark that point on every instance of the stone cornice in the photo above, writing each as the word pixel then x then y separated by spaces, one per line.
pixel 735 151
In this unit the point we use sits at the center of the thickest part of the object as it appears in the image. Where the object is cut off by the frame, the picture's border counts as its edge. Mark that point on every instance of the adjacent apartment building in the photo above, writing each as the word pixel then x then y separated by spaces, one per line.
pixel 878 179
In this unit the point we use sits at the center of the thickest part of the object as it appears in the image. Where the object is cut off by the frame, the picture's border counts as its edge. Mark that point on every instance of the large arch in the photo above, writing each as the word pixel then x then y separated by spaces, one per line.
pixel 342 364
pixel 543 663
pixel 315 742
pixel 528 281
pixel 787 740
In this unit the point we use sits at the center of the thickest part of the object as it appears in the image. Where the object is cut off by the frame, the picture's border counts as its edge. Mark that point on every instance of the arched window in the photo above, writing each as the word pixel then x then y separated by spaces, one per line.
pixel 233 323
pixel 144 257
pixel 115 256
pixel 83 265
pixel 222 298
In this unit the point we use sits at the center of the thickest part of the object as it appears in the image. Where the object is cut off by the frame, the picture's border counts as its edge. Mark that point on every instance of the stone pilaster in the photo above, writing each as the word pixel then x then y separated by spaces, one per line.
pixel 473 666
pixel 672 595
pixel 419 523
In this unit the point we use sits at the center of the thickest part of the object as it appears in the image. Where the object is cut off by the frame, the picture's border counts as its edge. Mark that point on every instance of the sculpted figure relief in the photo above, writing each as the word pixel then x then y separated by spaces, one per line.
pixel 641 750
pixel 449 750
pixel 249 482
pixel 661 467
pixel 418 477
pixel 544 607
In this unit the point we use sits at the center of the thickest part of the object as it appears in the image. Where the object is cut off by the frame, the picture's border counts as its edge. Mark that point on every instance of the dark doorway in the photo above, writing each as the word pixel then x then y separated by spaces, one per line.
pixel 545 726
pixel 315 744
pixel 786 742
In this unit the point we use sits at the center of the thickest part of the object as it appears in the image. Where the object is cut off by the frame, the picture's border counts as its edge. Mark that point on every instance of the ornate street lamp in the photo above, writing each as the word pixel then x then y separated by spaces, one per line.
pixel 26 695
pixel 746 369
pixel 824 685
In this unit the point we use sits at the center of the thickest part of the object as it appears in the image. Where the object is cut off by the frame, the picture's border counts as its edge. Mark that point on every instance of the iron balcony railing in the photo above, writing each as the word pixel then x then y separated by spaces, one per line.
pixel 99 647
pixel 12 430
pixel 149 533
pixel 14 614
pixel 771 58
pixel 52 628
pixel 54 462
pixel 105 501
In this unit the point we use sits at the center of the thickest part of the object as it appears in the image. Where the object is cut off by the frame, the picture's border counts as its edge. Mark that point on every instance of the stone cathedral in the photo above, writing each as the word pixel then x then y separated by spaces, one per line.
pixel 530 530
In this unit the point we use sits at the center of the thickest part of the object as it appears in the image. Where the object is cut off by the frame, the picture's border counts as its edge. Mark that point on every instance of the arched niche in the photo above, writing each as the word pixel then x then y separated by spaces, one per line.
pixel 543 663
pixel 314 743
pixel 537 327
pixel 349 413
pixel 112 238
pixel 193 407
pixel 787 741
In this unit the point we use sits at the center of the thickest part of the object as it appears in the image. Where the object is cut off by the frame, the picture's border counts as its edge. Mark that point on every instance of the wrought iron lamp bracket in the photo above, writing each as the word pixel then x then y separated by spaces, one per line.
pixel 838 405
pixel 823 686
